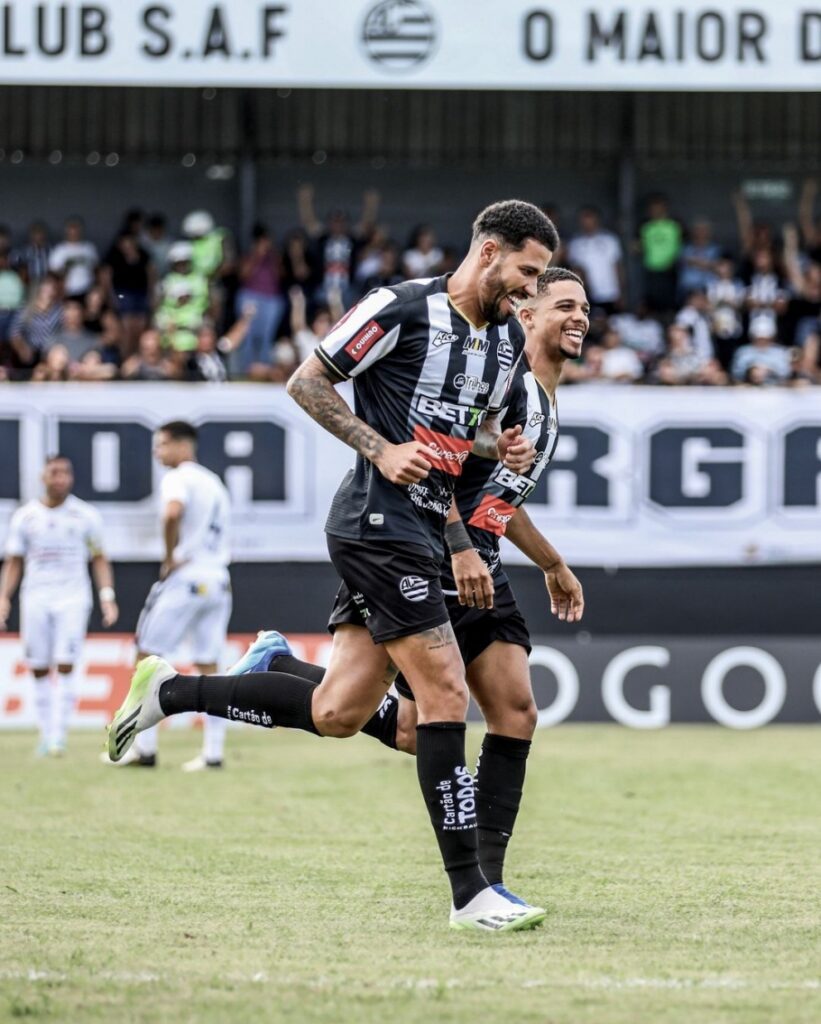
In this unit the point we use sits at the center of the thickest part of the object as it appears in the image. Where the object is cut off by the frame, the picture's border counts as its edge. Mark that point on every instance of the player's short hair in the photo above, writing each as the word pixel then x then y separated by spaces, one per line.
pixel 513 222
pixel 58 457
pixel 554 274
pixel 179 430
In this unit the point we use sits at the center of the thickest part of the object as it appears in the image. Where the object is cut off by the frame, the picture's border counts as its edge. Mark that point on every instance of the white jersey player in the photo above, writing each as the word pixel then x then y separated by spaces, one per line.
pixel 50 543
pixel 192 597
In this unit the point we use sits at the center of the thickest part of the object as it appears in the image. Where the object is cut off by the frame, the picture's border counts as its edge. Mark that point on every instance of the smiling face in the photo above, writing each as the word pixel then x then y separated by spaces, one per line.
pixel 558 319
pixel 508 277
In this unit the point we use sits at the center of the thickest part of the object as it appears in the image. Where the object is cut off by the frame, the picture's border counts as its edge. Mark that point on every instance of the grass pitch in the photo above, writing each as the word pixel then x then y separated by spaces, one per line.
pixel 302 884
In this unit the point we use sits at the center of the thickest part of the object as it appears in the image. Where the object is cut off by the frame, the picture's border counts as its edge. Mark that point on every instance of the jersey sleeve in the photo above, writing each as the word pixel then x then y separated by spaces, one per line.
pixel 366 334
pixel 172 488
pixel 94 533
pixel 16 539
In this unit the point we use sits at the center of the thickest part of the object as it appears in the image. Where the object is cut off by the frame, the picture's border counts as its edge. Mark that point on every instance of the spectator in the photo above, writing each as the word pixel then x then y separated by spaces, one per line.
pixel 810 227
pixel 185 295
pixel 387 272
pixel 208 361
pixel 641 332
pixel 725 300
pixel 683 365
pixel 660 244
pixel 260 275
pixel 12 294
pixel 156 243
pixel 588 370
pixel 109 344
pixel 762 361
pixel 753 236
pixel 72 334
pixel 620 364
pixel 766 295
pixel 305 337
pixel 335 242
pixel 31 260
pixel 423 255
pixel 212 256
pixel 149 362
pixel 597 255
pixel 128 275
pixel 803 312
pixel 75 260
pixel 695 314
pixel 33 326
pixel 53 367
pixel 699 257
pixel 299 267
pixel 369 255
pixel 95 304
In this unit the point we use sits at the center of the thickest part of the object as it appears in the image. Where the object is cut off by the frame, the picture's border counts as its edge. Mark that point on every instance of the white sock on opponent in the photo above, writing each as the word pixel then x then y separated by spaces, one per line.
pixel 62 707
pixel 213 738
pixel 146 742
pixel 42 707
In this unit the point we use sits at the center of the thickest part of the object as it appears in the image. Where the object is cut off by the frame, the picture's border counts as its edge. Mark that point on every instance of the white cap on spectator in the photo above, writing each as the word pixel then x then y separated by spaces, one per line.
pixel 762 326
pixel 180 252
pixel 197 224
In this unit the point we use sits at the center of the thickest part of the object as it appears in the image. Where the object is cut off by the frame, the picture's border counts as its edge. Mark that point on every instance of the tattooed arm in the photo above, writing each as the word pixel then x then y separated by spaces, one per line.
pixel 313 388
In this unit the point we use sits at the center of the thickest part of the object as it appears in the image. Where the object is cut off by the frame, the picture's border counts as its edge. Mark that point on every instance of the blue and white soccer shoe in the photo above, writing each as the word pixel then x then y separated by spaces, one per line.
pixel 268 644
pixel 490 911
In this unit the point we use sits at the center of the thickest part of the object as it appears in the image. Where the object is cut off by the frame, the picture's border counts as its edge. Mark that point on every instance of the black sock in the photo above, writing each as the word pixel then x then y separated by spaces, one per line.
pixel 382 726
pixel 261 698
pixel 500 776
pixel 293 666
pixel 447 787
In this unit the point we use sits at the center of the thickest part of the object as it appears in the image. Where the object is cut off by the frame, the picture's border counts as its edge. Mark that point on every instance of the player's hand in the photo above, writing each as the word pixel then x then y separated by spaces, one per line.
pixel 473 579
pixel 110 612
pixel 404 463
pixel 5 609
pixel 516 451
pixel 565 591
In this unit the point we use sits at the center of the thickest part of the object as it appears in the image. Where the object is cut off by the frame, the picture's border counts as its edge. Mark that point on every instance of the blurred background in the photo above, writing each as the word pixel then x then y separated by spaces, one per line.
pixel 192 193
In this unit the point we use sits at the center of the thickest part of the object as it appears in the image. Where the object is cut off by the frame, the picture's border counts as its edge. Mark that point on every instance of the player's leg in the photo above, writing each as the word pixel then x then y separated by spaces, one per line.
pixel 70 625
pixel 37 635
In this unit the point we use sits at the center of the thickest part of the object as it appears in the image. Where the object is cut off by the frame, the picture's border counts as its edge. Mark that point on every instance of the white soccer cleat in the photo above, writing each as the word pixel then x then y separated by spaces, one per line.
pixel 199 764
pixel 489 911
pixel 141 707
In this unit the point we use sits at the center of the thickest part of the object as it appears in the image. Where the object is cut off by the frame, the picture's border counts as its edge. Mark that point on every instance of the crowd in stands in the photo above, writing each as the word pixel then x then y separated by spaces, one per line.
pixel 154 307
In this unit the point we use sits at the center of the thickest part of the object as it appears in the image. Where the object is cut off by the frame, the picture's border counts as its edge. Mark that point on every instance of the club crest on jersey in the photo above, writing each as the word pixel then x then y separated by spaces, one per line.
pixel 359 345
pixel 476 346
pixel 414 588
pixel 442 338
pixel 505 354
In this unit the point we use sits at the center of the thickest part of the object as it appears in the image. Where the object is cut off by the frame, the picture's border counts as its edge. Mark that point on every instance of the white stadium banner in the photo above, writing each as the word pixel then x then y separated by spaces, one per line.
pixel 444 44
pixel 641 476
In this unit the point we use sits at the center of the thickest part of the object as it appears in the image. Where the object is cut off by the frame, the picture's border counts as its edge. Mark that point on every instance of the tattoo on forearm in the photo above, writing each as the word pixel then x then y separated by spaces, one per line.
pixel 439 636
pixel 319 399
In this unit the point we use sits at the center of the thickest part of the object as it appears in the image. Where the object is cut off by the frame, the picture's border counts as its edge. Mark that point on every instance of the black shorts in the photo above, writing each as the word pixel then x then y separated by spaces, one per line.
pixel 477 628
pixel 392 588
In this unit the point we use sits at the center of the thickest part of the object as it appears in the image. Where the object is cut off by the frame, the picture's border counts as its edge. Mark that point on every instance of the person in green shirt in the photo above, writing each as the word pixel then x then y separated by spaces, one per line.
pixel 660 241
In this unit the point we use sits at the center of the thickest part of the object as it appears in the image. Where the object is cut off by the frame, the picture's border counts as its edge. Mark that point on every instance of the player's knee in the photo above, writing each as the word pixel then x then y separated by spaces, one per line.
pixel 517 717
pixel 339 723
pixel 65 670
pixel 446 702
pixel 406 739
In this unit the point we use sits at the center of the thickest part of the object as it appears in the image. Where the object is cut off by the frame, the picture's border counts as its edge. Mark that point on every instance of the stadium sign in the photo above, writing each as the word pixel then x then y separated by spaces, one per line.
pixel 640 477
pixel 638 682
pixel 524 44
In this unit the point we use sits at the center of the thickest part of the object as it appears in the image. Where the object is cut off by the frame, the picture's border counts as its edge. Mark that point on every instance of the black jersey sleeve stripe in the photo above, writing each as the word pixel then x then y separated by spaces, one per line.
pixel 326 359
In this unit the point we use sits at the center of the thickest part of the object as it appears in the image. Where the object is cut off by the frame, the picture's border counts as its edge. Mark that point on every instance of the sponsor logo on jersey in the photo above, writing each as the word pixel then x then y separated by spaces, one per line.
pixel 476 346
pixel 520 485
pixel 446 453
pixel 442 338
pixel 422 498
pixel 359 345
pixel 536 419
pixel 469 382
pixel 505 354
pixel 465 415
pixel 492 514
pixel 414 588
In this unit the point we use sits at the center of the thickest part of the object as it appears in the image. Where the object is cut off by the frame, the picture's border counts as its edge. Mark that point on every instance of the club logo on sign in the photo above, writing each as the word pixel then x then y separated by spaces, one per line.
pixel 399 35
pixel 414 588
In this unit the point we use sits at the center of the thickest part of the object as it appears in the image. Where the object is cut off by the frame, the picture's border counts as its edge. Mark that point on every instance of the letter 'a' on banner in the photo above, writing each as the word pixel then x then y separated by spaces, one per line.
pixel 415 44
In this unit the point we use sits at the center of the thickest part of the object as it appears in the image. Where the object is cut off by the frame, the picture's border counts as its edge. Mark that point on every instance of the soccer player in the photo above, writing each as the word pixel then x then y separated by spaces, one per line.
pixel 431 362
pixel 192 597
pixel 53 538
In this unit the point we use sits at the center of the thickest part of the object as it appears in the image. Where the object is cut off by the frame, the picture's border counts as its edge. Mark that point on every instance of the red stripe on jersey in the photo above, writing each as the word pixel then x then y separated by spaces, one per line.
pixel 447 453
pixel 492 514
pixel 360 343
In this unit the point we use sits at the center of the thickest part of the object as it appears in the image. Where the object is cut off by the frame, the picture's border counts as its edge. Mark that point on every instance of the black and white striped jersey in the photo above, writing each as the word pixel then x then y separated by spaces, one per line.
pixel 423 372
pixel 487 493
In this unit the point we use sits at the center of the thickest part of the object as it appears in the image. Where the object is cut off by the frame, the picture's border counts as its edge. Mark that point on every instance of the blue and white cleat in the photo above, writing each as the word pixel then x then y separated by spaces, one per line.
pixel 492 912
pixel 268 644
pixel 513 898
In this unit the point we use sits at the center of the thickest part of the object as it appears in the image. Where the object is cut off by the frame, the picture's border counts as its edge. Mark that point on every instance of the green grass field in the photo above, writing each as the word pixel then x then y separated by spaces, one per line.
pixel 681 868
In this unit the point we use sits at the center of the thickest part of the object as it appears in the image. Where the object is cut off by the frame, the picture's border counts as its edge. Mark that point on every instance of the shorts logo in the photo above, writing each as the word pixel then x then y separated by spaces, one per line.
pixel 493 514
pixel 469 382
pixel 442 338
pixel 414 588
pixel 476 346
pixel 357 348
pixel 505 354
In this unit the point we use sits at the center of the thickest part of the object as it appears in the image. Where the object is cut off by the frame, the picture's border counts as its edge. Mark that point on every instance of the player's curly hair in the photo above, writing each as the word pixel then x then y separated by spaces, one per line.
pixel 554 274
pixel 513 222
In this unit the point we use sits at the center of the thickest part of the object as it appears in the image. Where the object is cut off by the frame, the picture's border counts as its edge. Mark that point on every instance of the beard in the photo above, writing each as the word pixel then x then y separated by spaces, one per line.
pixel 492 306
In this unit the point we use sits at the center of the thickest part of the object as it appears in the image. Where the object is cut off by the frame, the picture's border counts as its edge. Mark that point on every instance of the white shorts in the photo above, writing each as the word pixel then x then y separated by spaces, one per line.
pixel 53 631
pixel 186 607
